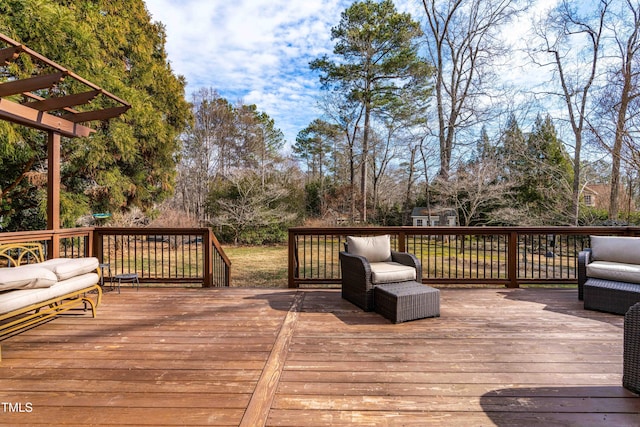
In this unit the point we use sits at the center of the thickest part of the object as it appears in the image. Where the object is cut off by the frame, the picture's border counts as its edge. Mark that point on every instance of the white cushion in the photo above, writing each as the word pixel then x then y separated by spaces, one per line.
pixel 26 277
pixel 65 268
pixel 388 272
pixel 373 248
pixel 616 271
pixel 14 300
pixel 616 249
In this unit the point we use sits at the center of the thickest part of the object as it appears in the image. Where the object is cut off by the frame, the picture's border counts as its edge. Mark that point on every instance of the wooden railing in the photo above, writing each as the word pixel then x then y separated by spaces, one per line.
pixel 454 255
pixel 164 255
pixel 157 255
pixel 67 243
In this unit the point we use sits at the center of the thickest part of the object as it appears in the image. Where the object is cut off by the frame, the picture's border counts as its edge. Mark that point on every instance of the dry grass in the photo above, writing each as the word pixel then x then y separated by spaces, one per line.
pixel 258 266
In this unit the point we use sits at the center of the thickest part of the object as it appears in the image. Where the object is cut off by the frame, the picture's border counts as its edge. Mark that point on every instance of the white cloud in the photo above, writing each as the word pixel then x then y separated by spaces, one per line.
pixel 255 50
pixel 259 50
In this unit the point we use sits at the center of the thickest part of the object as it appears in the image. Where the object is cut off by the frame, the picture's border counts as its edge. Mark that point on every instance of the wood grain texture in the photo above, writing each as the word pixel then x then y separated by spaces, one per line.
pixel 274 357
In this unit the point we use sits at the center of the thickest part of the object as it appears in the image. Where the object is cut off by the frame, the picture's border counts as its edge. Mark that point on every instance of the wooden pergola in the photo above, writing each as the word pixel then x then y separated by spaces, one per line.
pixel 39 102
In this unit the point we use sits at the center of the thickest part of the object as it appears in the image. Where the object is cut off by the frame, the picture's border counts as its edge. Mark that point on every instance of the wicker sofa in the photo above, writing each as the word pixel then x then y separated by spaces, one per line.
pixel 631 367
pixel 609 274
pixel 39 290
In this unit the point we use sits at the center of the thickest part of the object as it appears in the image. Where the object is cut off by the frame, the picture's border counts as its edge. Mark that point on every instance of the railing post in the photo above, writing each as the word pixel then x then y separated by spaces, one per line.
pixel 402 241
pixel 292 267
pixel 95 244
pixel 207 241
pixel 512 260
pixel 53 246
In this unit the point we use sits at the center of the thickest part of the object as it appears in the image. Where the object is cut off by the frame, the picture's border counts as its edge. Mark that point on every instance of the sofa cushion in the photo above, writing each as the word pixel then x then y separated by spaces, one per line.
pixel 65 268
pixel 616 249
pixel 373 248
pixel 388 272
pixel 616 271
pixel 26 277
pixel 10 301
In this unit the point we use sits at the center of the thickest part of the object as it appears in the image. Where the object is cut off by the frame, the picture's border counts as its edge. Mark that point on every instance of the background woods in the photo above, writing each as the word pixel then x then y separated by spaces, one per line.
pixel 421 106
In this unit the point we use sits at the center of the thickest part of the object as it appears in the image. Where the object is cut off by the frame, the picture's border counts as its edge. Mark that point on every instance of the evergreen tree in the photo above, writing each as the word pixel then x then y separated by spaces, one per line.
pixel 547 182
pixel 129 161
pixel 512 152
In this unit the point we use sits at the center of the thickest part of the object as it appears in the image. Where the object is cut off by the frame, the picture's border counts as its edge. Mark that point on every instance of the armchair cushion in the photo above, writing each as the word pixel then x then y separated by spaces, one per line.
pixel 373 248
pixel 388 272
pixel 615 271
pixel 616 249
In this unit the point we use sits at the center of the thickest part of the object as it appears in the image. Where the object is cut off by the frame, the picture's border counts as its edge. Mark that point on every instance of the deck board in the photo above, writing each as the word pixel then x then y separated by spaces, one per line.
pixel 174 356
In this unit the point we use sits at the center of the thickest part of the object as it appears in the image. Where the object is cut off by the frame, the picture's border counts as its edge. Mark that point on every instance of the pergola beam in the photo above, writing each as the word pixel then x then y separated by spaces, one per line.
pixel 61 102
pixel 9 54
pixel 15 87
pixel 104 114
pixel 26 116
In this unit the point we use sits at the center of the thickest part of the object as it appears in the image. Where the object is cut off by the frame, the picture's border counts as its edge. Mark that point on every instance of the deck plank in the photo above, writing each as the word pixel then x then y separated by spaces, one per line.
pixel 166 357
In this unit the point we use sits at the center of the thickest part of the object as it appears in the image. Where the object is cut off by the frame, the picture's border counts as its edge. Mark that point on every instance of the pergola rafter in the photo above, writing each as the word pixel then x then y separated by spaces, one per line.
pixel 41 101
pixel 61 102
pixel 48 110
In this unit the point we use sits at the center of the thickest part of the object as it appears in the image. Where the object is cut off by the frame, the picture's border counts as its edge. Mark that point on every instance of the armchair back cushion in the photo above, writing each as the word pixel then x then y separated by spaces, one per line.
pixel 625 250
pixel 373 248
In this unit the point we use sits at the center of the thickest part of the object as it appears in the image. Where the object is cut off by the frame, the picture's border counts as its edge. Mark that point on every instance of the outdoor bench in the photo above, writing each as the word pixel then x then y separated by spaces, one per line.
pixel 609 274
pixel 34 292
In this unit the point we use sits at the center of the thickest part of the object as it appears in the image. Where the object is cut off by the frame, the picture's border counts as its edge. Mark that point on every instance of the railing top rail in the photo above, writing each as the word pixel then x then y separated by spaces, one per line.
pixel 218 247
pixel 464 230
pixel 152 230
pixel 42 235
pixel 74 231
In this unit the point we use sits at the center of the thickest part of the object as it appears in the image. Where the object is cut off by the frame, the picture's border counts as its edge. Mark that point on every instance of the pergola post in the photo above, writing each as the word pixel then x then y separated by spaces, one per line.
pixel 53 190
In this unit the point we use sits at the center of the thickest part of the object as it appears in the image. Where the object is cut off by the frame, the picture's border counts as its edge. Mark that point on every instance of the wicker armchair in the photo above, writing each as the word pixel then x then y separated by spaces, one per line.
pixel 584 258
pixel 358 281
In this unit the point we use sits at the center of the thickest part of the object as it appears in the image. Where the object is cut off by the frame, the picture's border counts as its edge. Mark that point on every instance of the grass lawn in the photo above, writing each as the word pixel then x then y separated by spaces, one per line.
pixel 258 266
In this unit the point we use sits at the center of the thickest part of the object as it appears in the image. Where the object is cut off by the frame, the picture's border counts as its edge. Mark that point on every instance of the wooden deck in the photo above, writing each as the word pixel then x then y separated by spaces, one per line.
pixel 272 357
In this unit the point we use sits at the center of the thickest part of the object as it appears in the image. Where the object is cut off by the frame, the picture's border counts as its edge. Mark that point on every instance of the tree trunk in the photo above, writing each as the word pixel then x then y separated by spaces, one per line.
pixel 407 198
pixel 365 157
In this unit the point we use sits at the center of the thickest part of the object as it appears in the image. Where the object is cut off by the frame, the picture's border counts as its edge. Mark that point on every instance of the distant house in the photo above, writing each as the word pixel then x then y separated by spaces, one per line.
pixel 424 217
pixel 597 196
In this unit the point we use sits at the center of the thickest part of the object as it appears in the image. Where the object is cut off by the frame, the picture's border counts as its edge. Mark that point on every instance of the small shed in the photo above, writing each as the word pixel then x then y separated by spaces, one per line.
pixel 434 216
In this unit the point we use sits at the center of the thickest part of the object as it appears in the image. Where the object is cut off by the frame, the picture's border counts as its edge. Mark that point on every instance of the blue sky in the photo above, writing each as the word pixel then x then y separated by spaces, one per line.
pixel 259 50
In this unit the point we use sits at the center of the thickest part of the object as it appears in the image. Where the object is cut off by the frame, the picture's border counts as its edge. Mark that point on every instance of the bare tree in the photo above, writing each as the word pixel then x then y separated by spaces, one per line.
pixel 474 187
pixel 618 105
pixel 248 203
pixel 463 46
pixel 207 148
pixel 347 115
pixel 560 32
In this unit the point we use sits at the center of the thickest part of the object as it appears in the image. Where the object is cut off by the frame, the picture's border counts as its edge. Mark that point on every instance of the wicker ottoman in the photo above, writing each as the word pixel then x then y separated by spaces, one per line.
pixel 610 296
pixel 631 365
pixel 400 302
